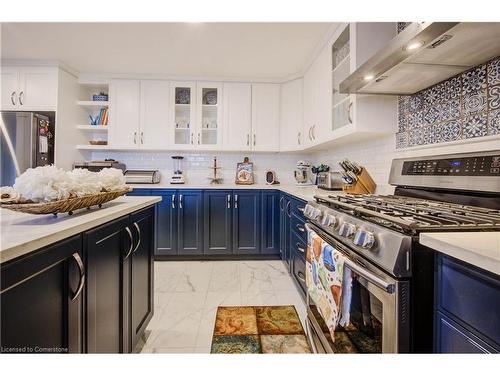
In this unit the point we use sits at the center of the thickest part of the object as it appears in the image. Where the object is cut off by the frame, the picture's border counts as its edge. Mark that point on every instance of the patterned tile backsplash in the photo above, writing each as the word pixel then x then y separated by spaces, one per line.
pixel 462 107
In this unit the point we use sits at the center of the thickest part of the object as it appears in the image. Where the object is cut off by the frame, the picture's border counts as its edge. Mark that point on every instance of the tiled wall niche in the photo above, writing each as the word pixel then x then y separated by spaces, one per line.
pixel 462 107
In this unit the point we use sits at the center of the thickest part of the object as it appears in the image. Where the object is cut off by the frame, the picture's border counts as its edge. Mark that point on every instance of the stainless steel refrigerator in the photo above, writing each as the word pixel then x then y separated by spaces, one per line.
pixel 27 141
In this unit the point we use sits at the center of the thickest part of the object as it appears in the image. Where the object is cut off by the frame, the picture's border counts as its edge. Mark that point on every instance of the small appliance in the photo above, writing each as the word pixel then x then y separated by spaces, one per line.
pixel 142 176
pixel 97 165
pixel 329 180
pixel 26 141
pixel 303 173
pixel 271 178
pixel 177 177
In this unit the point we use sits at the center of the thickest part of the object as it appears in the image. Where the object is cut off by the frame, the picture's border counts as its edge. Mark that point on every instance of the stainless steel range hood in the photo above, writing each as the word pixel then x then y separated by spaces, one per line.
pixel 424 54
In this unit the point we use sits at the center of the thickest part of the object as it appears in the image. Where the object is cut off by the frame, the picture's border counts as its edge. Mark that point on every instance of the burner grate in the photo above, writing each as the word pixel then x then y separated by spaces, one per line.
pixel 413 214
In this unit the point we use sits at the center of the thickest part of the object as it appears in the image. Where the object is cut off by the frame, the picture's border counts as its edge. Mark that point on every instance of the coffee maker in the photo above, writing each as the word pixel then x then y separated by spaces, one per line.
pixel 302 173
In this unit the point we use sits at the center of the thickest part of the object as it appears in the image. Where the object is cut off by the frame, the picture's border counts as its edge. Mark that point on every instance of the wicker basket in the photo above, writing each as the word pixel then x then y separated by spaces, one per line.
pixel 66 205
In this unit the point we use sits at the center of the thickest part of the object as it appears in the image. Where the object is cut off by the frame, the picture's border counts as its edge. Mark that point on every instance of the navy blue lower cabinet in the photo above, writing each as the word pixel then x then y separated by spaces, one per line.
pixel 271 230
pixel 466 309
pixel 217 231
pixel 141 276
pixel 190 222
pixel 246 221
pixel 40 302
pixel 166 222
pixel 107 287
pixel 452 338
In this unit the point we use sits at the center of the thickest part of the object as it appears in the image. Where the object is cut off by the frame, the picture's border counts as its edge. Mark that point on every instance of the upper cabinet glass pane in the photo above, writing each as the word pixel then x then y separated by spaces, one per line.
pixel 209 115
pixel 182 95
pixel 340 70
pixel 182 116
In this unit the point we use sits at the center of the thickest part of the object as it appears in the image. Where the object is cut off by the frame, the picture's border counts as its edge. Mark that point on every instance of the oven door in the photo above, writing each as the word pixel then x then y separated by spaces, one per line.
pixel 379 321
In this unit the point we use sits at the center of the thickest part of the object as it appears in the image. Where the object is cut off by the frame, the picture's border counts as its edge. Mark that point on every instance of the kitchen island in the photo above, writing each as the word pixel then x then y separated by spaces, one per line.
pixel 80 283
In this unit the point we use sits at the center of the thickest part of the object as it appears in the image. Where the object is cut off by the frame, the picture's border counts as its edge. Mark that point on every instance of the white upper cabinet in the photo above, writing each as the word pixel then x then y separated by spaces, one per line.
pixel 154 124
pixel 291 116
pixel 29 88
pixel 183 114
pixel 237 116
pixel 124 121
pixel 317 89
pixel 209 122
pixel 355 116
pixel 265 117
pixel 196 115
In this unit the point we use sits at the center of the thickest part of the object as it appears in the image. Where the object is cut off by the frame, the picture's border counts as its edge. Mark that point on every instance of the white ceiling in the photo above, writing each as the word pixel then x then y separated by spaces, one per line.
pixel 246 50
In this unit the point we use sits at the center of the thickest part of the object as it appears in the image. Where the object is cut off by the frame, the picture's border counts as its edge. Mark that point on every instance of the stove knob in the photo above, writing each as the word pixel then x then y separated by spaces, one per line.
pixel 329 221
pixel 347 229
pixel 364 239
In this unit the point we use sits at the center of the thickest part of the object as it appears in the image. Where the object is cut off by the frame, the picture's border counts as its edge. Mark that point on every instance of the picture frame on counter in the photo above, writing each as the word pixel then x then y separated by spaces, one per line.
pixel 244 173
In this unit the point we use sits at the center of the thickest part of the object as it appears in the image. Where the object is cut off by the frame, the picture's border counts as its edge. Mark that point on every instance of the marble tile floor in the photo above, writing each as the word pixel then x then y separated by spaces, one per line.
pixel 187 294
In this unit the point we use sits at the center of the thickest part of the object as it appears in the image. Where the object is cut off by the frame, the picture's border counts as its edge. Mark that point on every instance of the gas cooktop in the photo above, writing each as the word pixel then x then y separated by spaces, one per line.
pixel 412 215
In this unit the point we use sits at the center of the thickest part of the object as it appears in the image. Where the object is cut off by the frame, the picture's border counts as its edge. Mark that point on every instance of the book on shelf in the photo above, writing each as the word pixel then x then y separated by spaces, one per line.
pixel 101 118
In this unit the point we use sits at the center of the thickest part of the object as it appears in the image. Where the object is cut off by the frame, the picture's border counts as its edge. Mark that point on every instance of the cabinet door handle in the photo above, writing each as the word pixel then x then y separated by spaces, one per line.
pixel 228 201
pixel 236 201
pixel 131 243
pixel 12 97
pixel 135 138
pixel 81 269
pixel 298 138
pixel 139 233
pixel 142 138
pixel 281 203
pixel 349 113
pixel 300 248
pixel 180 201
pixel 300 228
pixel 248 139
pixel 301 209
pixel 173 200
pixel 198 138
pixel 288 209
pixel 312 132
pixel 191 138
pixel 21 96
pixel 301 277
pixel 254 139
pixel 310 136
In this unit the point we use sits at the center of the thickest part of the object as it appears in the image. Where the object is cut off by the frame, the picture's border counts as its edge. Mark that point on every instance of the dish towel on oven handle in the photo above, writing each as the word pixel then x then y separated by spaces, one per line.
pixel 329 283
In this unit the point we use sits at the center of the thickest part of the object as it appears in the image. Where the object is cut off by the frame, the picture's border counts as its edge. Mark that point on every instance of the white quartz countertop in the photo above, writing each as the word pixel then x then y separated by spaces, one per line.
pixel 481 249
pixel 302 192
pixel 23 233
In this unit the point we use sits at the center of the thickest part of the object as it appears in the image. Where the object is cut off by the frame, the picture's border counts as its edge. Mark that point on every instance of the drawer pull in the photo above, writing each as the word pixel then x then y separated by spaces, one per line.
pixel 81 283
pixel 300 276
pixel 300 248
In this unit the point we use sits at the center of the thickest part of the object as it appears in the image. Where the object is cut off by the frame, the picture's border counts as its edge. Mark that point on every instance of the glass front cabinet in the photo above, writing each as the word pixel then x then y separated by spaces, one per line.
pixel 197 115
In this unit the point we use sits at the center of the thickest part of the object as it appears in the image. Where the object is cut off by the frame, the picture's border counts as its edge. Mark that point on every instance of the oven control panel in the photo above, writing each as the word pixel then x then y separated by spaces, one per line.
pixel 465 166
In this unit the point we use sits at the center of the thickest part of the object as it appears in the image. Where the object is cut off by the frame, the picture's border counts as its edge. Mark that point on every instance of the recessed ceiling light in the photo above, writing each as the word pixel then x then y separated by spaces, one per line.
pixel 369 77
pixel 413 45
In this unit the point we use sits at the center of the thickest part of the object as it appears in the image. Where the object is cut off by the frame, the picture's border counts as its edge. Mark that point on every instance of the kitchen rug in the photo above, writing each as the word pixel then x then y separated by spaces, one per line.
pixel 258 329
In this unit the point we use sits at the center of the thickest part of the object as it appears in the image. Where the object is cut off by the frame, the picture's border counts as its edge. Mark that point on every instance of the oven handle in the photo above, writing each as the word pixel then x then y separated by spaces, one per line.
pixel 363 272
pixel 375 280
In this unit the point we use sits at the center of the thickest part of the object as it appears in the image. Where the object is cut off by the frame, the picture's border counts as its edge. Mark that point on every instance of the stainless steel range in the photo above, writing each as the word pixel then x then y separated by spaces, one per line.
pixel 391 309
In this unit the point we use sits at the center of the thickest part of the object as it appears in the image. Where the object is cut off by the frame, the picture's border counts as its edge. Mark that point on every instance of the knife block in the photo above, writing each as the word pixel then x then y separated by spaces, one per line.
pixel 364 184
